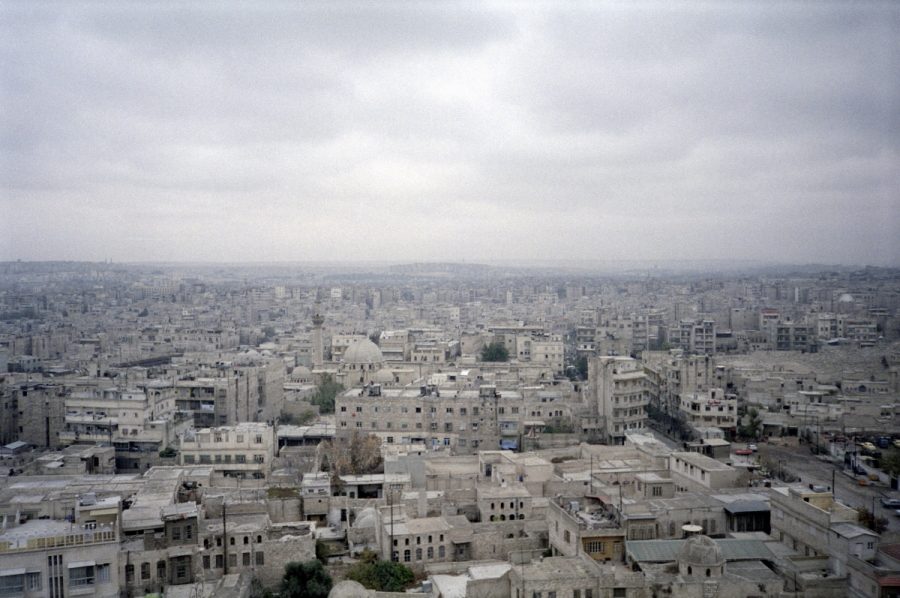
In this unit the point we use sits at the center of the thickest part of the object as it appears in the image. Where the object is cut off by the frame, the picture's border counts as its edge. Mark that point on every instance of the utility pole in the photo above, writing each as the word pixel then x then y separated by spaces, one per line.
pixel 391 504
pixel 224 540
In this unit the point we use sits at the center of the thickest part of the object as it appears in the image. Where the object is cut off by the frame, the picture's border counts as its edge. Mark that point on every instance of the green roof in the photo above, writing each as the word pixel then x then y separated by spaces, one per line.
pixel 665 551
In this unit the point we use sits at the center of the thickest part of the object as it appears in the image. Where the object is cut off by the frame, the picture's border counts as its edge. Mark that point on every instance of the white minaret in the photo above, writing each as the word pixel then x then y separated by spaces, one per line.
pixel 318 319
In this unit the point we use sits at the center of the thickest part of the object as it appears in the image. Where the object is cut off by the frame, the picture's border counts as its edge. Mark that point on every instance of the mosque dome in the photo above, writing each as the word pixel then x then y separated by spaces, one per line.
pixel 348 589
pixel 300 372
pixel 363 351
pixel 384 376
pixel 846 298
pixel 701 551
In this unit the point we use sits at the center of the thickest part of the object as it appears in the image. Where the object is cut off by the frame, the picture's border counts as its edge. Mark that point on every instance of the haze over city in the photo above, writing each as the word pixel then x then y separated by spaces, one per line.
pixel 476 132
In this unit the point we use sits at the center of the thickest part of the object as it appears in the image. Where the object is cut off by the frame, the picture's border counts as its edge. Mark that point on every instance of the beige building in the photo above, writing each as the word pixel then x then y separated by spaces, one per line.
pixel 244 450
pixel 619 390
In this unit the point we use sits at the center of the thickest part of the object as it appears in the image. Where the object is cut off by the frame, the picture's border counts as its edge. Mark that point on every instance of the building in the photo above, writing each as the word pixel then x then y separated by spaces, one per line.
pixel 244 450
pixel 619 391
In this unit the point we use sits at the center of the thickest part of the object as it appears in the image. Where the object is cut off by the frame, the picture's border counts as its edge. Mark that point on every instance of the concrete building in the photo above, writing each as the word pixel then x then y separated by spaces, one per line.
pixel 619 390
pixel 244 450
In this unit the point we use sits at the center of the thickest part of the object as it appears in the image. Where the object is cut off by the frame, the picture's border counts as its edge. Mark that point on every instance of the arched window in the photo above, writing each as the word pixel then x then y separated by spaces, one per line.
pixel 441 552
pixel 708 572
pixel 259 539
pixel 246 540
pixel 231 541
pixel 690 571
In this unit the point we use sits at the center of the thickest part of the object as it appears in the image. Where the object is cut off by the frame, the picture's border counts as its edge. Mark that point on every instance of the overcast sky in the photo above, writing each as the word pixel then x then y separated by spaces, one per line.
pixel 421 131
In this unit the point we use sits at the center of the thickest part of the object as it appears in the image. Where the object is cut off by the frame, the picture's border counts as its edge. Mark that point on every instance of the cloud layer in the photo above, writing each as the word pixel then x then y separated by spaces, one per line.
pixel 432 131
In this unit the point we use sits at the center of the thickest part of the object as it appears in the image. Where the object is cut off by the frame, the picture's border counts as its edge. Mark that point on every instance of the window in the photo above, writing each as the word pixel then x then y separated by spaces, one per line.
pixel 536 595
pixel 359 409
pixel 418 554
pixel 206 561
pixel 12 585
pixel 588 593
pixel 576 593
pixel 406 556
pixel 240 438
pixel 176 532
pixel 129 573
pixel 551 594
pixel 205 459
pixel 260 558
pixel 462 410
pixel 441 552
pixel 474 410
pixel 449 409
pixel 232 560
pixel 258 439
pixel 657 491
pixel 220 561
pixel 619 592
pixel 418 410
pixel 245 559
pixel 145 571
pixel 33 579
pixel 84 576
pixel 189 459
pixel 567 536
pixel 430 552
pixel 596 547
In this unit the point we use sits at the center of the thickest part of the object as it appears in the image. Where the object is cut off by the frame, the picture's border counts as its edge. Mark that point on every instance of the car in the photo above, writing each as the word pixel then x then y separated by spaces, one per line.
pixel 890 503
pixel 874 477
pixel 743 452
pixel 862 482
pixel 752 447
pixel 859 470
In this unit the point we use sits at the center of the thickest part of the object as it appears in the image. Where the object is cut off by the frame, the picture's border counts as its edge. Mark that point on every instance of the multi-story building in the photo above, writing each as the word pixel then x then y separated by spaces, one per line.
pixel 709 408
pixel 619 390
pixel 244 450
pixel 51 558
pixel 464 420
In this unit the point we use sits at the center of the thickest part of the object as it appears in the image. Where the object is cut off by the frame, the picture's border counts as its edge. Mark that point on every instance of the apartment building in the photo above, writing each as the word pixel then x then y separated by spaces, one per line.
pixel 709 408
pixel 619 390
pixel 463 420
pixel 244 450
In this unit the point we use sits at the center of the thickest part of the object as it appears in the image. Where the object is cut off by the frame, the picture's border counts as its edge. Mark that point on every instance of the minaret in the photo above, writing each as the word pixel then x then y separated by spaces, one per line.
pixel 318 319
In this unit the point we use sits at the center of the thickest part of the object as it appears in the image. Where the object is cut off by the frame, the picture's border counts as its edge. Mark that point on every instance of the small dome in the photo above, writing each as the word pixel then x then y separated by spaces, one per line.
pixel 384 376
pixel 300 372
pixel 701 551
pixel 363 351
pixel 365 518
pixel 348 589
pixel 846 298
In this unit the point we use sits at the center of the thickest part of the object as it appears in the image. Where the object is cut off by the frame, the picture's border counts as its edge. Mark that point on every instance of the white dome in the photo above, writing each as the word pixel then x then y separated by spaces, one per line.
pixel 384 376
pixel 701 551
pixel 300 373
pixel 348 589
pixel 363 351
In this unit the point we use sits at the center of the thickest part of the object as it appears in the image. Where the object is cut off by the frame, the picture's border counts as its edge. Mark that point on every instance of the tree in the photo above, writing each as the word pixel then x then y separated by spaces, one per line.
pixel 868 520
pixel 322 552
pixel 361 456
pixel 327 389
pixel 383 576
pixel 305 580
pixel 494 352
pixel 753 426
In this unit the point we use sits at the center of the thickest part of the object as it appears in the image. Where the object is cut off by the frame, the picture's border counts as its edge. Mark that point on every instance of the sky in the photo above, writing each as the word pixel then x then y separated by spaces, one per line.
pixel 439 131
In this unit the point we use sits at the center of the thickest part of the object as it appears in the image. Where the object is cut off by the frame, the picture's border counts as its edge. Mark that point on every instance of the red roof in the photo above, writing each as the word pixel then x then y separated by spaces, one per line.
pixel 889 581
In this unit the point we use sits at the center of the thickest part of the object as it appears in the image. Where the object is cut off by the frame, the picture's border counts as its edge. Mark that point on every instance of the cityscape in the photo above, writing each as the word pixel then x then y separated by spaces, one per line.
pixel 480 299
pixel 495 430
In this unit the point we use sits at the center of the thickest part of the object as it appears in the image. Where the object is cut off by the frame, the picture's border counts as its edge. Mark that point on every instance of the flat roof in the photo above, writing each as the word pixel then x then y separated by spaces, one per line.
pixel 666 551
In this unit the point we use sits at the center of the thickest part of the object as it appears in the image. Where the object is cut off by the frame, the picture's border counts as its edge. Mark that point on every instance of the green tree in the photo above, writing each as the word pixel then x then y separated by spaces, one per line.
pixel 494 352
pixel 383 576
pixel 753 427
pixel 305 580
pixel 322 552
pixel 327 389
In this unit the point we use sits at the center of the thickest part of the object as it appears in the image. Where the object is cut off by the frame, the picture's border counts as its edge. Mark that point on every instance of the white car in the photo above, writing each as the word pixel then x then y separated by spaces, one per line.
pixel 753 447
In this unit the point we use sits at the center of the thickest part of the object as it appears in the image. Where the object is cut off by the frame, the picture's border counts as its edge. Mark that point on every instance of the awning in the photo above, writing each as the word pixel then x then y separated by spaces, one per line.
pixel 82 564
pixel 7 572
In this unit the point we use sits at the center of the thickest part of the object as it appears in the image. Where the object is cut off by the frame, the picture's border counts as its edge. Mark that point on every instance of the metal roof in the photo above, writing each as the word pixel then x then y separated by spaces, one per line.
pixel 665 551
pixel 748 506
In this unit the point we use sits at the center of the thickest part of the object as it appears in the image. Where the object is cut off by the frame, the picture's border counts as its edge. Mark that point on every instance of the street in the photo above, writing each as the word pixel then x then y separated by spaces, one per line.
pixel 811 469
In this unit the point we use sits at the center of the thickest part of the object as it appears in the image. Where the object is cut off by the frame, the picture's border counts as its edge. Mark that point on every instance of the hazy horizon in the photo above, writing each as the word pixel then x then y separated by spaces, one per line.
pixel 466 133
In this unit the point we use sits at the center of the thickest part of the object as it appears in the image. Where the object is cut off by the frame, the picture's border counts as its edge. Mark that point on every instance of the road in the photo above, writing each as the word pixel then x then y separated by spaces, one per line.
pixel 811 469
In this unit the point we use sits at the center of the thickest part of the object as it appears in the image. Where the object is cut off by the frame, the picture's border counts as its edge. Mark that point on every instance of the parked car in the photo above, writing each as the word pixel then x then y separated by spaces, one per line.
pixel 752 447
pixel 744 451
pixel 859 470
pixel 890 503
